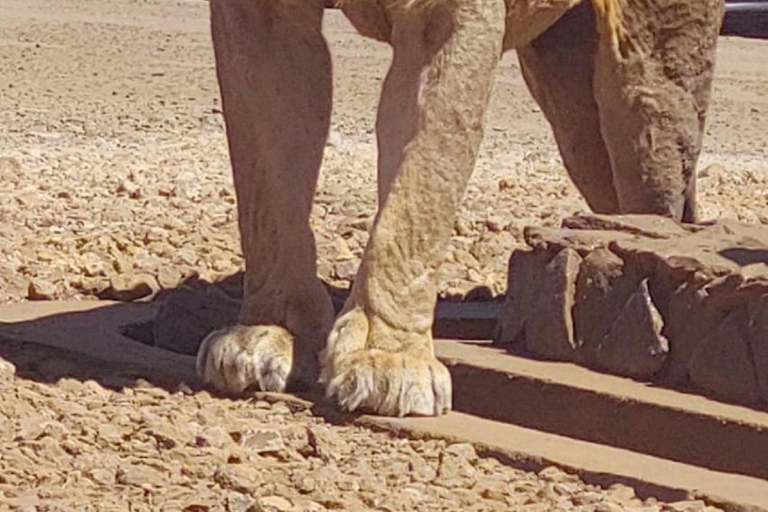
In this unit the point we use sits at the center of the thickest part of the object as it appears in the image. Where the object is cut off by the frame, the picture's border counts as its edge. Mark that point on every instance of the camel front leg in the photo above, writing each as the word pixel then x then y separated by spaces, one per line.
pixel 380 356
pixel 274 71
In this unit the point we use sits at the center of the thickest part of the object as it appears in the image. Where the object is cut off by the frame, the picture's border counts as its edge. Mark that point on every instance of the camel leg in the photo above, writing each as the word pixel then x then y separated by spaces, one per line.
pixel 559 69
pixel 652 87
pixel 380 356
pixel 274 72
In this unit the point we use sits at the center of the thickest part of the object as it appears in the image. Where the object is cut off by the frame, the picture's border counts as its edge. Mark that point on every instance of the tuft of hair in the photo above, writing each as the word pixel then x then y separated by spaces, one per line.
pixel 413 5
pixel 610 15
pixel 419 4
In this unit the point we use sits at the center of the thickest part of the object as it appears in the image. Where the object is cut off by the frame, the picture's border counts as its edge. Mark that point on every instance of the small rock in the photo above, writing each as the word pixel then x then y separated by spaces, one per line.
pixel 41 289
pixel 280 409
pixel 102 476
pixel 130 189
pixel 347 269
pixel 213 436
pixel 121 265
pixel 621 492
pixel 30 427
pixel 56 430
pixel 464 450
pixel 420 470
pixel 341 250
pixel 684 506
pixel 563 489
pixel 91 265
pixel 462 228
pixel 200 505
pixel 7 370
pixel 335 139
pixel 607 506
pixel 324 443
pixel 554 474
pixel 262 440
pixel 275 503
pixel 187 255
pixel 497 222
pixel 587 498
pixel 712 170
pixel 239 502
pixel 165 436
pixel 493 489
pixel 303 483
pixel 455 471
pixel 310 506
pixel 145 477
pixel 536 507
pixel 46 256
pixel 130 288
pixel 326 478
pixel 239 477
pixel 10 170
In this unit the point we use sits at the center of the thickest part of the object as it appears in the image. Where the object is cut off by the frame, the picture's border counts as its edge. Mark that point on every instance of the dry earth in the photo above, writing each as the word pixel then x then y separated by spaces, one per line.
pixel 97 440
pixel 114 180
pixel 114 159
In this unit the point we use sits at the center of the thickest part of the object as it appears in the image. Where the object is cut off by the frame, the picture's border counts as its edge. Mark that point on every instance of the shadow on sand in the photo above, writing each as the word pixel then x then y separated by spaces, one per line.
pixel 153 342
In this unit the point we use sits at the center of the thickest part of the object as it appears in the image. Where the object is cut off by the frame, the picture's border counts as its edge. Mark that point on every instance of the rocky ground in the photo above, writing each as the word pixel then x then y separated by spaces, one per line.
pixel 113 164
pixel 98 440
pixel 114 182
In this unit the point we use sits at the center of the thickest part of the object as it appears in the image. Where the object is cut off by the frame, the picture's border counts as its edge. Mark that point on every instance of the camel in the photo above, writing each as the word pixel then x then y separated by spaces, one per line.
pixel 625 85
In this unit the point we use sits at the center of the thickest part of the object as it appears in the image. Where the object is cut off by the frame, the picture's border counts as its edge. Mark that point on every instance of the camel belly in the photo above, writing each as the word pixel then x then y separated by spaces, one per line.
pixel 528 19
pixel 525 19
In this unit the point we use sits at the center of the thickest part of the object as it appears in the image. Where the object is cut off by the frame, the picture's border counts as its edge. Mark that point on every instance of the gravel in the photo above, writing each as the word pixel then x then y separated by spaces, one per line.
pixel 115 180
pixel 115 183
pixel 115 442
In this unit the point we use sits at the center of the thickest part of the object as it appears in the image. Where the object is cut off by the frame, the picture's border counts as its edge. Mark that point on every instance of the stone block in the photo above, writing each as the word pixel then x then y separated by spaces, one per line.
pixel 646 297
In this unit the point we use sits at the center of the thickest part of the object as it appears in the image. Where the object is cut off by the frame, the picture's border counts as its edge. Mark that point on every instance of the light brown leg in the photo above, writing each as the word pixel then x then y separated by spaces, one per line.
pixel 274 71
pixel 398 117
pixel 380 355
pixel 559 69
pixel 652 90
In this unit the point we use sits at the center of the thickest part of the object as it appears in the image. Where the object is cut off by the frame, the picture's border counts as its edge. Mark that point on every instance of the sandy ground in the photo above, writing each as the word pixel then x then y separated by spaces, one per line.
pixel 113 159
pixel 113 172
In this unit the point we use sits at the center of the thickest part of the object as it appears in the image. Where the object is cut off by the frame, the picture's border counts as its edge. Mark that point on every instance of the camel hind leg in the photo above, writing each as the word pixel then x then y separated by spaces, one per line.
pixel 626 93
pixel 559 69
pixel 653 76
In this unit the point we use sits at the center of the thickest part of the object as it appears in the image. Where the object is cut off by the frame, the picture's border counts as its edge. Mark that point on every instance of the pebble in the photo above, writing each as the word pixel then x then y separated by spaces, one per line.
pixel 275 504
pixel 608 506
pixel 7 370
pixel 40 289
pixel 239 502
pixel 129 288
pixel 262 440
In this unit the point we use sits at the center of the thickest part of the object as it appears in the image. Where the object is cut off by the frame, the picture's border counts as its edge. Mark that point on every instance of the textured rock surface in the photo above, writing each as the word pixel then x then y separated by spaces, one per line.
pixel 652 299
pixel 634 345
